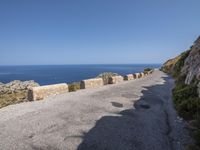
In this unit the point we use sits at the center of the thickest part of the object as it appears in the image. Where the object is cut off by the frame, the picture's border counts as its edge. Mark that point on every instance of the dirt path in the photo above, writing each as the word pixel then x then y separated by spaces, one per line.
pixel 133 115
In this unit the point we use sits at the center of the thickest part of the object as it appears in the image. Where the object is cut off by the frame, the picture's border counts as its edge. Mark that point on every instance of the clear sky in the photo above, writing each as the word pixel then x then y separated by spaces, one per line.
pixel 96 31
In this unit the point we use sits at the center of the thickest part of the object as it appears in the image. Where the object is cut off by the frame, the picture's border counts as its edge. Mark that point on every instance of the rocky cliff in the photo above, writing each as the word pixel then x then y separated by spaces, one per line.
pixel 186 93
pixel 187 65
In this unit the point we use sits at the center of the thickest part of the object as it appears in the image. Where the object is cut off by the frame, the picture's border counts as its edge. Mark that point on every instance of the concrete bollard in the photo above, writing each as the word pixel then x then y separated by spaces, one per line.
pixel 41 92
pixel 141 75
pixel 128 77
pixel 136 75
pixel 91 83
pixel 115 79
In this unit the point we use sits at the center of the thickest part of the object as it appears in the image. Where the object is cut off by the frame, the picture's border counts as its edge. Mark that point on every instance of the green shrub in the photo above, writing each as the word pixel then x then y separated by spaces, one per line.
pixel 189 109
pixel 196 136
pixel 180 63
pixel 147 69
pixel 74 86
pixel 12 98
pixel 182 92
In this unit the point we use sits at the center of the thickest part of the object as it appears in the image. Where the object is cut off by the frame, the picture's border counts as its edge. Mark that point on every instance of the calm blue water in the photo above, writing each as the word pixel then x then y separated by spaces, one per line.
pixel 51 74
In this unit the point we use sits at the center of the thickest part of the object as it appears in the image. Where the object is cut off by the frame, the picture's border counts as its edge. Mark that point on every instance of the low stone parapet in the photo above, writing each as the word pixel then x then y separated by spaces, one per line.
pixel 115 79
pixel 142 75
pixel 136 75
pixel 41 92
pixel 128 77
pixel 91 83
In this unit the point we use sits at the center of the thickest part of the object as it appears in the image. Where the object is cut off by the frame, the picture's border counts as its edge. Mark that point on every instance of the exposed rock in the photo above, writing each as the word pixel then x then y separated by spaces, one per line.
pixel 187 65
pixel 16 86
pixel 91 83
pixel 115 79
pixel 191 67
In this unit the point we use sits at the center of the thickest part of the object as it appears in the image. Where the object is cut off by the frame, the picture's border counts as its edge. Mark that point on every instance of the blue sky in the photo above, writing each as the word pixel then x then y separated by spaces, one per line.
pixel 96 31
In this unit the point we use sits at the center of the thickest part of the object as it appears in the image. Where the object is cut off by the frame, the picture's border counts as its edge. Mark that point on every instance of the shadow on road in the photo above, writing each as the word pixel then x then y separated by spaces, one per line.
pixel 144 127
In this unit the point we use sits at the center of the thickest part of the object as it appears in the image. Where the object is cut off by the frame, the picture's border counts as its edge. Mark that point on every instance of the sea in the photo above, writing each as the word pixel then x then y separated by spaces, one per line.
pixel 53 74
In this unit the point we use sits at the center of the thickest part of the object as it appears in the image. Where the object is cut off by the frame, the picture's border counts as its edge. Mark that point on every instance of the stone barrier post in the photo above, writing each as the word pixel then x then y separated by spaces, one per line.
pixel 41 92
pixel 91 83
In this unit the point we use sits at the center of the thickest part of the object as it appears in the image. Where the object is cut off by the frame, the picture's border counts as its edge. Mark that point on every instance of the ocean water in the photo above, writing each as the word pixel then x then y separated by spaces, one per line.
pixel 52 74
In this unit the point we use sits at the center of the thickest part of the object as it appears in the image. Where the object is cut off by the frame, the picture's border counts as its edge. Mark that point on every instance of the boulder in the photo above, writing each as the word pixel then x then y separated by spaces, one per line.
pixel 91 83
pixel 116 79
pixel 128 77
pixel 41 92
pixel 17 86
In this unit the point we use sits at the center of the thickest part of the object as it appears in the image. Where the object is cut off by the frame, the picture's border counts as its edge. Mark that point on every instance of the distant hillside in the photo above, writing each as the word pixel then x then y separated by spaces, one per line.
pixel 185 68
pixel 169 65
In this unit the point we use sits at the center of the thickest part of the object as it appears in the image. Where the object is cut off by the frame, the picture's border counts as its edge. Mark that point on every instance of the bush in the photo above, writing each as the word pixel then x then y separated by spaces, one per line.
pixel 12 98
pixel 147 69
pixel 74 86
pixel 182 92
pixel 189 109
pixel 180 63
pixel 105 76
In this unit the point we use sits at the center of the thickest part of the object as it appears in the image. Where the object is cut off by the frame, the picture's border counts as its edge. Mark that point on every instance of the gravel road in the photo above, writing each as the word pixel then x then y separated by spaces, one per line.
pixel 133 115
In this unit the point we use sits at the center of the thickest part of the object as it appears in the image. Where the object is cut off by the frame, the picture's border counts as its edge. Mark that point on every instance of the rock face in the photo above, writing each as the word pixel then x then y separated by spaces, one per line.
pixel 189 66
pixel 192 63
pixel 116 79
pixel 39 93
pixel 199 89
pixel 16 86
pixel 91 83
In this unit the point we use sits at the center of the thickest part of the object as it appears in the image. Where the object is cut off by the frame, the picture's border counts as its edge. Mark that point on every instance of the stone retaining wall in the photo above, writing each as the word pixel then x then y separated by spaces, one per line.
pixel 41 92
pixel 136 75
pixel 115 79
pixel 91 83
pixel 142 75
pixel 128 77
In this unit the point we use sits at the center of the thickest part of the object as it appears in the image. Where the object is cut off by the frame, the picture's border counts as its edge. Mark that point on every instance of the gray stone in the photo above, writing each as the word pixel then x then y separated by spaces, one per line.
pixel 91 83
pixel 128 77
pixel 41 92
pixel 116 79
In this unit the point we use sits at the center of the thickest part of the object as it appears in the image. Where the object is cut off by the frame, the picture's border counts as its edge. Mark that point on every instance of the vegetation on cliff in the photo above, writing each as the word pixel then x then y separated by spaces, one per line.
pixel 169 65
pixel 14 92
pixel 185 95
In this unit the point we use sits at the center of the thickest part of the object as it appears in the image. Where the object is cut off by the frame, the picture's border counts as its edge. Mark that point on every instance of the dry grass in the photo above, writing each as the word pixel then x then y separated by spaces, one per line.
pixel 12 98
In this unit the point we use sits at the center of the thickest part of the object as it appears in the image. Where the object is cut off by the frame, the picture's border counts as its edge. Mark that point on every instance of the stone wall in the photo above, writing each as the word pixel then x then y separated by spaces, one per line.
pixel 116 79
pixel 91 83
pixel 136 75
pixel 128 77
pixel 142 75
pixel 41 92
